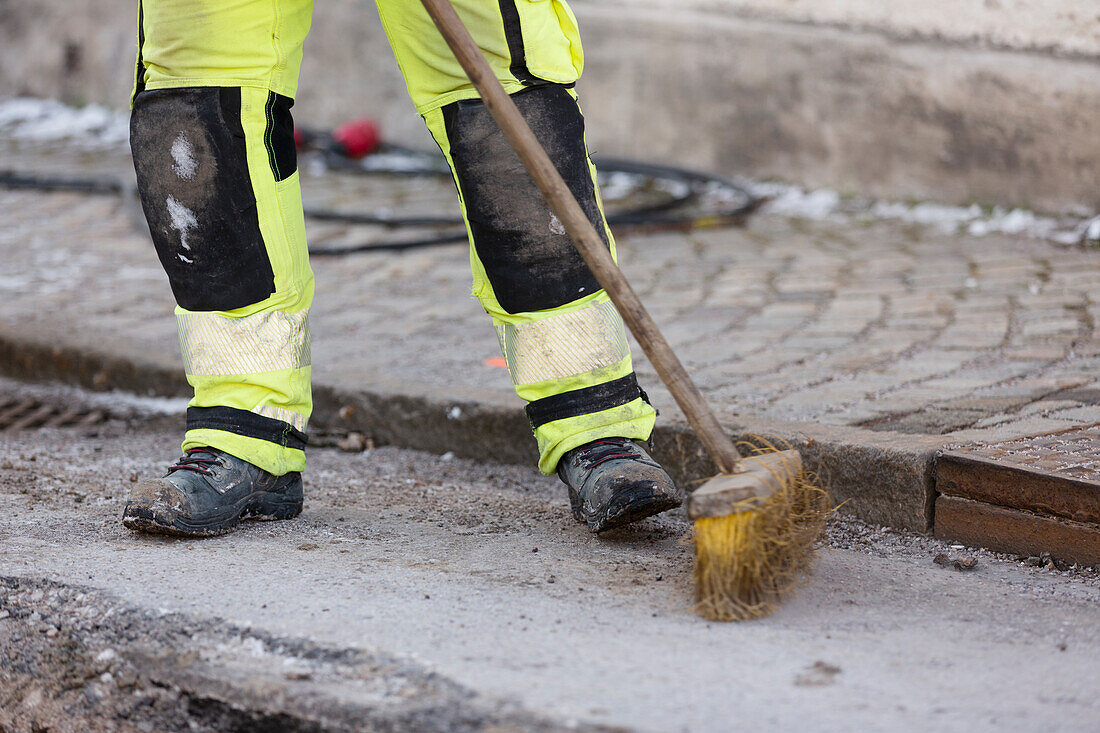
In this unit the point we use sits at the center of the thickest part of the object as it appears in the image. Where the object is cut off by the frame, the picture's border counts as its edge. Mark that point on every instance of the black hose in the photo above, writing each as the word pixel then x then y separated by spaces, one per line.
pixel 661 214
pixel 13 179
pixel 648 216
pixel 382 219
pixel 390 246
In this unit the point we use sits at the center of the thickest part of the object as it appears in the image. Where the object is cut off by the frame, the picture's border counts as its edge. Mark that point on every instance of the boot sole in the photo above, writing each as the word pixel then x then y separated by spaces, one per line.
pixel 262 506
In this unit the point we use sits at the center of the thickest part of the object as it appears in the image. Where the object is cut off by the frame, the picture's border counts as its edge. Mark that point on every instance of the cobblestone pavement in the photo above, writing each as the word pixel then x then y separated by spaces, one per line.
pixel 884 325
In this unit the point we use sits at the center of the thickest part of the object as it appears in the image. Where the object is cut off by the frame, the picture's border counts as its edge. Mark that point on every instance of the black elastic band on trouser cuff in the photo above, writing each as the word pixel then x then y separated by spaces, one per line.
pixel 585 401
pixel 247 424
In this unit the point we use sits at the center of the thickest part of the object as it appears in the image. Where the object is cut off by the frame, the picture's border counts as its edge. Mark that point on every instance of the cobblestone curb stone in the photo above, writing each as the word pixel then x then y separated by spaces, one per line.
pixel 881 477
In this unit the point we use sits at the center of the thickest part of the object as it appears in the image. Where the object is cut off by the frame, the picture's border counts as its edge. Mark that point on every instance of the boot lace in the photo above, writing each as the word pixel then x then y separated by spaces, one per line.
pixel 198 460
pixel 607 449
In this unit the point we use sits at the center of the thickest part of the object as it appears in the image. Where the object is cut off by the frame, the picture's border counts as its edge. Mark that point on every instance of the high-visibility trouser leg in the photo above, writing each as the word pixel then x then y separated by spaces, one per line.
pixel 563 341
pixel 212 141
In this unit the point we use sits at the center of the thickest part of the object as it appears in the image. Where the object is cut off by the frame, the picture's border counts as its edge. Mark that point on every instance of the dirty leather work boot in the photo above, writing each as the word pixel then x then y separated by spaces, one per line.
pixel 613 481
pixel 208 492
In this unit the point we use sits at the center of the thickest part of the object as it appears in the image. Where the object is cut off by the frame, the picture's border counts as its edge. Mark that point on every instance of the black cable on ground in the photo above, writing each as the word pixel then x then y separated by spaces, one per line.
pixel 381 219
pixel 13 179
pixel 390 246
pixel 659 215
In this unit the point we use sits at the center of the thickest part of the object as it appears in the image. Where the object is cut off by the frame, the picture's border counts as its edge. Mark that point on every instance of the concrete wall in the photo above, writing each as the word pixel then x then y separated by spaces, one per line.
pixel 858 110
pixel 994 101
pixel 1066 27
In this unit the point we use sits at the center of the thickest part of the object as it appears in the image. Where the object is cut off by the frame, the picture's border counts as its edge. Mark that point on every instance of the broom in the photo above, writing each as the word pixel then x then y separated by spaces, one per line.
pixel 756 522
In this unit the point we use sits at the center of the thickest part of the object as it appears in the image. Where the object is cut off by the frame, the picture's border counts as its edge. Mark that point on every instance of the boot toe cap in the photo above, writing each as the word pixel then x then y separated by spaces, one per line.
pixel 157 501
pixel 628 501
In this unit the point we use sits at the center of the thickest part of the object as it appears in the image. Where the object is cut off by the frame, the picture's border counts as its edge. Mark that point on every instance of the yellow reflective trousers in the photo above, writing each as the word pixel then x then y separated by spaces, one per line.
pixel 211 134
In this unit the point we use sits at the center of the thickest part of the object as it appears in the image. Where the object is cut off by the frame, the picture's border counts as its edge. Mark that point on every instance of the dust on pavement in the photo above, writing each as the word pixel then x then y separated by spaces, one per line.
pixel 471 584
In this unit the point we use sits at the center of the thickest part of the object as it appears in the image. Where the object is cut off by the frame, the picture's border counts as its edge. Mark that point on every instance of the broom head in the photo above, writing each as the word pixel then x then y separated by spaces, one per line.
pixel 754 534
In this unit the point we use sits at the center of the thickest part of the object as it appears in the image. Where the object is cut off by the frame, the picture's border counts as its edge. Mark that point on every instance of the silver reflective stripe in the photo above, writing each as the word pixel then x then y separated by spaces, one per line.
pixel 564 345
pixel 263 342
pixel 279 413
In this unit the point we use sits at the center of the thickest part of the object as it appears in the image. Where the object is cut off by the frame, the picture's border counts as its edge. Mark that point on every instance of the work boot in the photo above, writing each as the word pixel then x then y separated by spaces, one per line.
pixel 613 481
pixel 208 492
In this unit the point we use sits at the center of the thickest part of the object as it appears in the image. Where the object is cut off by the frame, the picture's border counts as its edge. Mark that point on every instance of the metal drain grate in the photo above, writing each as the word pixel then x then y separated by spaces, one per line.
pixel 17 414
pixel 1074 453
pixel 1054 474
pixel 1028 496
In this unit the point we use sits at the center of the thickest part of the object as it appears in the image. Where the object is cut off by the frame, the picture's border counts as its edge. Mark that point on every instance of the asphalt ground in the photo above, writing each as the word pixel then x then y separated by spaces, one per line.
pixel 426 592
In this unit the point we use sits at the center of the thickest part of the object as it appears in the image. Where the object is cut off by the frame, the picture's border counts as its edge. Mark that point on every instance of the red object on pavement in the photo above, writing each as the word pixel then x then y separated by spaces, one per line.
pixel 357 138
pixel 299 137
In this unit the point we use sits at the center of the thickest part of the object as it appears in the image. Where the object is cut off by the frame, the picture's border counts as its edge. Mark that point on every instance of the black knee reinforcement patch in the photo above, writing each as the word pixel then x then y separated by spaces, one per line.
pixel 529 260
pixel 192 173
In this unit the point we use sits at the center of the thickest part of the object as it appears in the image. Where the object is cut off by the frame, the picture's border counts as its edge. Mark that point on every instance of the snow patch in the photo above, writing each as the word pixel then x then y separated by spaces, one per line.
pixel 1091 230
pixel 795 201
pixel 47 120
pixel 617 185
pixel 825 204
pixel 556 227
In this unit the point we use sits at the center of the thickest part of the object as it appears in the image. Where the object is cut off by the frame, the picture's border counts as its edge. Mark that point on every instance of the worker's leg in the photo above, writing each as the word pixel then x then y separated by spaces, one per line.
pixel 563 341
pixel 213 147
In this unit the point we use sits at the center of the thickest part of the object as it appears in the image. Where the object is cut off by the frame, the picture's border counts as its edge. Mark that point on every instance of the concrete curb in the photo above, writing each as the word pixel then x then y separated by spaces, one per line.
pixel 881 478
pixel 884 477
pixel 826 96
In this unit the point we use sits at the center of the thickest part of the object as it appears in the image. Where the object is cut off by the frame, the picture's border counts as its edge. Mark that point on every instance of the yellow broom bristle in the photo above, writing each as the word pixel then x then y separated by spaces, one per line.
pixel 747 562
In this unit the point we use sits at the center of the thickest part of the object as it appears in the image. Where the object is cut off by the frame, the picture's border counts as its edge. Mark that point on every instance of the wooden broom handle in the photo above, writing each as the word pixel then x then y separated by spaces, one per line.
pixel 584 235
